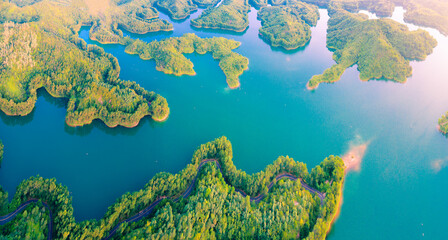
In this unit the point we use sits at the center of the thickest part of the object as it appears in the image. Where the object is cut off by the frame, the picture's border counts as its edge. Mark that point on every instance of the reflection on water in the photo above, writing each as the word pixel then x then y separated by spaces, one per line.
pixel 23 120
pixel 119 130
pixel 17 120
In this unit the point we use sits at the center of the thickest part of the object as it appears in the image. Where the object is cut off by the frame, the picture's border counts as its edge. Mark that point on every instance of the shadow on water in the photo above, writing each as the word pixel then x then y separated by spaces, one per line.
pixel 385 80
pixel 119 130
pixel 58 102
pixel 23 120
pixel 219 31
pixel 17 120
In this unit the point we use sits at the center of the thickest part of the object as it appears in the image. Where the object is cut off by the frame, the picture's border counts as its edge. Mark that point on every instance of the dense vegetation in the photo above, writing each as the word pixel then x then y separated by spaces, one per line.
pixel 288 26
pixel 30 224
pixel 137 16
pixel 381 48
pixel 229 15
pixel 214 210
pixel 1 153
pixel 206 3
pixel 22 3
pixel 178 9
pixel 169 57
pixel 429 13
pixel 383 8
pixel 443 124
pixel 48 54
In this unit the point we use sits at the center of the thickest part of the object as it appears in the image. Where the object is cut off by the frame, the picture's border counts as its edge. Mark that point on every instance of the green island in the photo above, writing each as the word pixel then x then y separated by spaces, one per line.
pixel 178 9
pixel 169 58
pixel 46 53
pixel 217 207
pixel 288 26
pixel 108 18
pixel 230 15
pixel 381 48
pixel 443 124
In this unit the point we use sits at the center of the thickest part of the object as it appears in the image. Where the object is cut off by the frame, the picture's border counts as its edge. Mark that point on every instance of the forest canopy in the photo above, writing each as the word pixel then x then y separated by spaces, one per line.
pixel 288 26
pixel 215 208
pixel 178 9
pixel 230 15
pixel 428 13
pixel 48 54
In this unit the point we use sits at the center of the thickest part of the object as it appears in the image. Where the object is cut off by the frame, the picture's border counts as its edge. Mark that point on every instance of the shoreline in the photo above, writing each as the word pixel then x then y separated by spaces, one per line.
pixel 278 45
pixel 90 121
pixel 311 88
pixel 338 208
pixel 238 77
pixel 352 162
pixel 220 28
pixel 162 119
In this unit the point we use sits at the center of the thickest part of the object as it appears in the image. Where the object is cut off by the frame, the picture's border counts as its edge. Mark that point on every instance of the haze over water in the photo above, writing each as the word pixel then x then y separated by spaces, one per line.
pixel 397 194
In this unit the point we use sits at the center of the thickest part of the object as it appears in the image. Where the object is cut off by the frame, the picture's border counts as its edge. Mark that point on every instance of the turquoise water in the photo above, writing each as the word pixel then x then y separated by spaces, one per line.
pixel 396 194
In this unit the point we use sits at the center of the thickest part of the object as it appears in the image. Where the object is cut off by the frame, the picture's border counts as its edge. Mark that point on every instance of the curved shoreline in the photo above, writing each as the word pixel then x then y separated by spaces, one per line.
pixel 161 119
pixel 145 212
pixel 338 209
pixel 239 30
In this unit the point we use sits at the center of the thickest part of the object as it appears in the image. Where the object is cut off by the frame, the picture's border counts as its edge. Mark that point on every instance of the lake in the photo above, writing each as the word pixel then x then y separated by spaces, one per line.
pixel 397 194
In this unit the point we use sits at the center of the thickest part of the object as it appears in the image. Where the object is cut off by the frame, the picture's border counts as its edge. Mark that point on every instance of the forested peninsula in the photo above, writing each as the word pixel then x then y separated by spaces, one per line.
pixel 215 207
pixel 169 57
pixel 288 26
pixel 381 48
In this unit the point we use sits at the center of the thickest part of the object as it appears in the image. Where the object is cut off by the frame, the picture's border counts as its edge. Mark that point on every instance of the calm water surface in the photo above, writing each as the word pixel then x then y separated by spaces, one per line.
pixel 396 195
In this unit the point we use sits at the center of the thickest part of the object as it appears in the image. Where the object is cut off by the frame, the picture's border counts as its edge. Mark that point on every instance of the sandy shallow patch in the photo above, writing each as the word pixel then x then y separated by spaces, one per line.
pixel 353 157
pixel 439 164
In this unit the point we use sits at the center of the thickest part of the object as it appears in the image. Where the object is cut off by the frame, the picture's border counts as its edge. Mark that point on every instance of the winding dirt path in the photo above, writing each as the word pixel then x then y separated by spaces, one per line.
pixel 9 217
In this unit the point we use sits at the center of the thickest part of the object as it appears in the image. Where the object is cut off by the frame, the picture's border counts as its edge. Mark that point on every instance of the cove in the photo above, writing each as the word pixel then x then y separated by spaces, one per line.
pixel 396 194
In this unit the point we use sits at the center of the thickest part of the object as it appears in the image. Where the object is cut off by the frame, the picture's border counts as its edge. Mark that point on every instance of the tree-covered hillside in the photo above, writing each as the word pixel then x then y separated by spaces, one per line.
pixel 230 15
pixel 215 208
pixel 45 52
pixel 288 26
